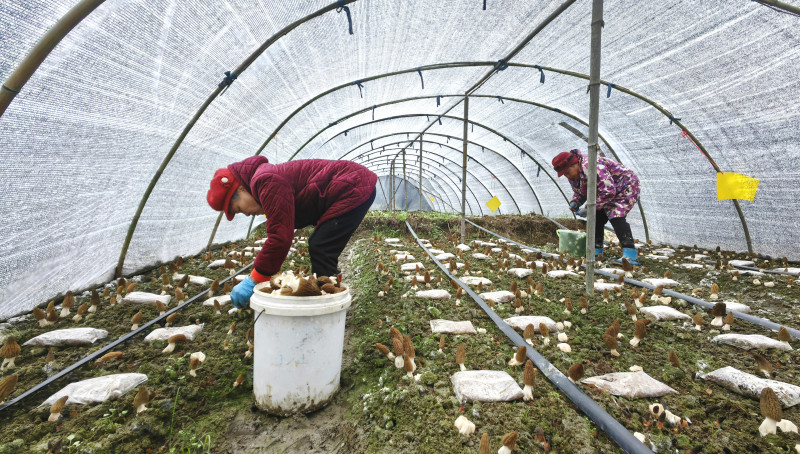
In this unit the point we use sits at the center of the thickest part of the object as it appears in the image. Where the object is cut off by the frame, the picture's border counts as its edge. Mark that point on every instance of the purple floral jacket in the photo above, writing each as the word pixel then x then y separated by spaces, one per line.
pixel 617 187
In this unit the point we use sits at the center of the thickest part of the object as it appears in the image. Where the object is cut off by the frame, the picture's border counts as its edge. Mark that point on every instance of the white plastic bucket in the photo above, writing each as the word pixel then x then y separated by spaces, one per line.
pixel 297 359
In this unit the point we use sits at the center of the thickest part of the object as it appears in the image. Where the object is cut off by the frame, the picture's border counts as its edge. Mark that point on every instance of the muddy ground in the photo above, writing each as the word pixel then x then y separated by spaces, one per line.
pixel 378 409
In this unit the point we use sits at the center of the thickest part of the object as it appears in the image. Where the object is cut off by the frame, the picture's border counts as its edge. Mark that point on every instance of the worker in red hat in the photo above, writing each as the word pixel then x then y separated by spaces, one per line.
pixel 334 196
pixel 617 192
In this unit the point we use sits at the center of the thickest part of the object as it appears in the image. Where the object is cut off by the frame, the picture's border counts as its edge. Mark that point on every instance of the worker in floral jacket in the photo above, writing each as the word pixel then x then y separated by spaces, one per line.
pixel 334 196
pixel 617 192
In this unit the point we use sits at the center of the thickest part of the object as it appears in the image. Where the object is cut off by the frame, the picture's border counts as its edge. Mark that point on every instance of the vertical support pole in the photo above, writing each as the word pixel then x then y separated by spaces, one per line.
pixel 594 114
pixel 391 188
pixel 213 233
pixel 250 227
pixel 464 173
pixel 420 172
pixel 405 183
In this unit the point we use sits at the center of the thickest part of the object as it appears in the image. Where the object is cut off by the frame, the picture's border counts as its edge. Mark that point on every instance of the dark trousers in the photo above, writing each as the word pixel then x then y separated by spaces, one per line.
pixel 329 239
pixel 621 228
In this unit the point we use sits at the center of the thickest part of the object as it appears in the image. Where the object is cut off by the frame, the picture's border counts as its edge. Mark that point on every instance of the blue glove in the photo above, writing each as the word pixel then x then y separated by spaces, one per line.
pixel 573 206
pixel 581 212
pixel 240 296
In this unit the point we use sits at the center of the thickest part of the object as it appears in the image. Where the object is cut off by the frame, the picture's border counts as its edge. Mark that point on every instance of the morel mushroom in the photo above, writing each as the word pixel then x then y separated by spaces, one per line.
pixel 195 360
pixel 9 352
pixel 529 379
pixel 40 316
pixel 673 359
pixel 728 321
pixel 172 341
pixel 57 408
pixel 461 356
pixel 239 380
pixel 611 344
pixel 714 292
pixel 718 311
pixel 141 399
pixel 509 443
pixel 397 344
pixel 575 372
pixel 519 358
pixel 640 330
pixel 82 309
pixel 783 335
pixel 545 332
pixel 95 302
pixel 67 304
pixel 484 447
pixel 408 350
pixel 763 365
pixel 135 320
pixel 697 319
pixel 7 386
pixel 529 334
pixel 385 350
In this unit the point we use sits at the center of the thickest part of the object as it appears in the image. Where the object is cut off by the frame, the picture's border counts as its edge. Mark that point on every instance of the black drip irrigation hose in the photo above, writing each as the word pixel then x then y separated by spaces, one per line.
pixel 113 344
pixel 616 431
pixel 696 301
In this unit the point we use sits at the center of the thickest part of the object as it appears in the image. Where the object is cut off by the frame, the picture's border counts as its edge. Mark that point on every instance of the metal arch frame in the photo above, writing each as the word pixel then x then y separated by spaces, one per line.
pixel 431 179
pixel 438 200
pixel 452 148
pixel 48 42
pixel 518 100
pixel 458 139
pixel 238 71
pixel 450 178
pixel 430 176
pixel 449 117
pixel 647 100
pixel 450 160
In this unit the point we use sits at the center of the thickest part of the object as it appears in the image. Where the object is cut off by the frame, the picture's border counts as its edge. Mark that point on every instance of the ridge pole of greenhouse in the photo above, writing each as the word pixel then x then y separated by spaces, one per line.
pixel 420 172
pixel 405 183
pixel 464 173
pixel 594 114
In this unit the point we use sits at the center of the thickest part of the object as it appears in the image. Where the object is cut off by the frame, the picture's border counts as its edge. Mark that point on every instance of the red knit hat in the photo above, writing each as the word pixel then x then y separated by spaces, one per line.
pixel 223 186
pixel 564 160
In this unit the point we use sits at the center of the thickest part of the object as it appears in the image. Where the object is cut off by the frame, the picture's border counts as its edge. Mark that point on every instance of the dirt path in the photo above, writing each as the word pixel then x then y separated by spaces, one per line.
pixel 329 430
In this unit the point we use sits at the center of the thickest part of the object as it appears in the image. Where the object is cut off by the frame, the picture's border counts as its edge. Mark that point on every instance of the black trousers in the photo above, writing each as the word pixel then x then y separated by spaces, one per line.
pixel 329 239
pixel 621 228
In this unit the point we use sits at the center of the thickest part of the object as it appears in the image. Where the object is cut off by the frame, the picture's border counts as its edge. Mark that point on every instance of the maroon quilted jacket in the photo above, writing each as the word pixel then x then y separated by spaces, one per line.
pixel 296 194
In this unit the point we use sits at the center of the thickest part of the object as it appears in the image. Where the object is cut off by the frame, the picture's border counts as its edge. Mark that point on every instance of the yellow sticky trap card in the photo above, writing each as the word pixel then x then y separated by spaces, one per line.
pixel 493 203
pixel 736 186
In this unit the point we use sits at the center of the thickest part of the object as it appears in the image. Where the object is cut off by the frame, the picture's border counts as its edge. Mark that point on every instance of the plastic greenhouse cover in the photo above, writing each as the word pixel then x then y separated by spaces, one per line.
pixel 84 136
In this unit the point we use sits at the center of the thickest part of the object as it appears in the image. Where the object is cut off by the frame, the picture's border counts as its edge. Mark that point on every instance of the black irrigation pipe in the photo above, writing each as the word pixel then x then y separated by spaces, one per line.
pixel 752 268
pixel 763 322
pixel 616 431
pixel 113 344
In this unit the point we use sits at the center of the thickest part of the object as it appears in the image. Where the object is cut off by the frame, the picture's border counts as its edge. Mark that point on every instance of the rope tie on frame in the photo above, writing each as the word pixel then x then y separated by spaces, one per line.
pixel 347 12
pixel 360 86
pixel 230 76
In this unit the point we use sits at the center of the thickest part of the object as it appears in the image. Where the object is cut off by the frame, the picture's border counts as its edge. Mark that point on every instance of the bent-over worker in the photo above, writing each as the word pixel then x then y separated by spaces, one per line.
pixel 617 192
pixel 332 195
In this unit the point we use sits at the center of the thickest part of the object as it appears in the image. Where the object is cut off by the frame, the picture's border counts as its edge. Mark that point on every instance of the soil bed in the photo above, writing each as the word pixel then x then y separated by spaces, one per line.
pixel 380 410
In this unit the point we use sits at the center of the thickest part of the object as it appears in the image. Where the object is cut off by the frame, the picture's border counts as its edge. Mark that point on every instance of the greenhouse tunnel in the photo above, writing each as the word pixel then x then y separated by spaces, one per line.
pixel 96 119
pixel 114 115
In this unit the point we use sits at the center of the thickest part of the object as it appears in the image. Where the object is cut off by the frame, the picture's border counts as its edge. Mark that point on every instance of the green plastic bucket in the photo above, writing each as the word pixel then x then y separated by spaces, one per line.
pixel 572 242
